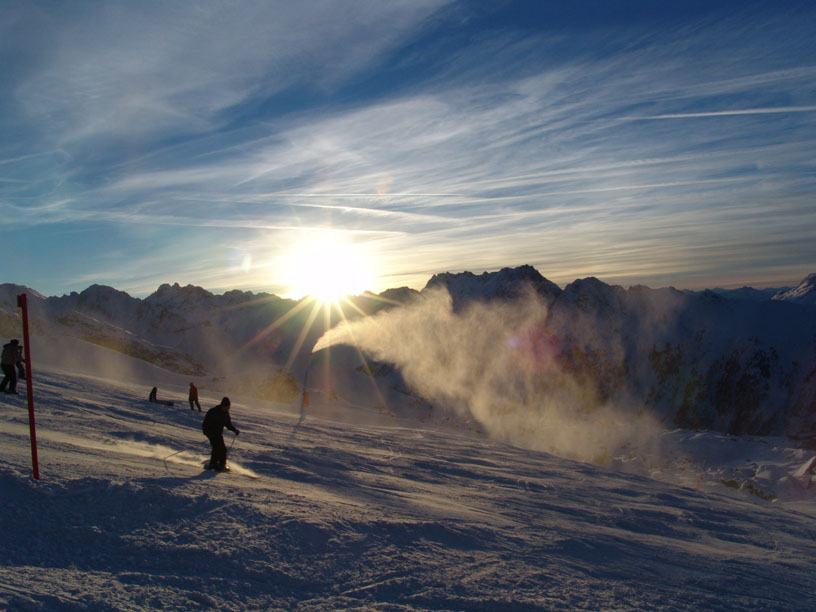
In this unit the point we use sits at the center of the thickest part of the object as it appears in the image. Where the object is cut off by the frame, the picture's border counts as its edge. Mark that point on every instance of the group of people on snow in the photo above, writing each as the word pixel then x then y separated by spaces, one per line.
pixel 192 397
pixel 12 363
pixel 215 420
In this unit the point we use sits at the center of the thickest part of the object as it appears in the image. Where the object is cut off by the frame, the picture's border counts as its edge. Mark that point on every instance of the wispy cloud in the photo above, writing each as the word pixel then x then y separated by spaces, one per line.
pixel 528 147
pixel 129 77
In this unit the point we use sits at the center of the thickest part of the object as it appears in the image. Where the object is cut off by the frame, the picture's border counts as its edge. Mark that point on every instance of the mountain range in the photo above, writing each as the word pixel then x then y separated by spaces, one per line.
pixel 504 351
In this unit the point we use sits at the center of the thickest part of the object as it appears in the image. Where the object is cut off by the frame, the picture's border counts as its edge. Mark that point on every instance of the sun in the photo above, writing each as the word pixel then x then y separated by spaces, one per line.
pixel 326 269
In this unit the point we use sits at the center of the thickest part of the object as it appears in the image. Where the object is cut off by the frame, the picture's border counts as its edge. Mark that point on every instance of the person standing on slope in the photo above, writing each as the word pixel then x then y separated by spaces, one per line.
pixel 21 371
pixel 8 362
pixel 193 397
pixel 216 419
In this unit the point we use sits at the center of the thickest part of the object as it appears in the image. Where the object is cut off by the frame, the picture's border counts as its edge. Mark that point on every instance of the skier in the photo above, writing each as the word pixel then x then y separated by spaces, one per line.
pixel 216 419
pixel 154 400
pixel 21 371
pixel 194 397
pixel 8 361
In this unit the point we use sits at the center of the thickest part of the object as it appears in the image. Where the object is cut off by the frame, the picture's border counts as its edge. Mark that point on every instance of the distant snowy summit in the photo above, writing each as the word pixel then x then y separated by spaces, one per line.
pixel 804 293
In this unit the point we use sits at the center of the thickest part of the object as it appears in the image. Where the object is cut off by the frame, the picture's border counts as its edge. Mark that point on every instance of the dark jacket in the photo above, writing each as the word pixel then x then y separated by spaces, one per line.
pixel 11 353
pixel 215 421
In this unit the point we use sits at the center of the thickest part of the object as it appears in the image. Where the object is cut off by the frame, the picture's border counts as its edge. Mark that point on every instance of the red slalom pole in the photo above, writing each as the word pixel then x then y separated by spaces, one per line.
pixel 22 302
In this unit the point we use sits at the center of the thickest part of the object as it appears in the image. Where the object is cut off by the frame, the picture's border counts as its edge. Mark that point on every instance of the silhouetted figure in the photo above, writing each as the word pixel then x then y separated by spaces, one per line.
pixel 216 419
pixel 8 361
pixel 21 370
pixel 193 397
pixel 154 400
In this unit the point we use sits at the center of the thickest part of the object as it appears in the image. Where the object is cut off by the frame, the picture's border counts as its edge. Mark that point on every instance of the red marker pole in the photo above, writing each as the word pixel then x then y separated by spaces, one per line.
pixel 22 302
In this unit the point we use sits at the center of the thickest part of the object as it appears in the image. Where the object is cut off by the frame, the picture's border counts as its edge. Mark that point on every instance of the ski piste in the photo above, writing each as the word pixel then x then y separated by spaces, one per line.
pixel 216 470
pixel 228 470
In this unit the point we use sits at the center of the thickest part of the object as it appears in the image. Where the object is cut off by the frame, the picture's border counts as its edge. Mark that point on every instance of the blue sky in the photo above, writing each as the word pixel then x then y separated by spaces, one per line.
pixel 214 143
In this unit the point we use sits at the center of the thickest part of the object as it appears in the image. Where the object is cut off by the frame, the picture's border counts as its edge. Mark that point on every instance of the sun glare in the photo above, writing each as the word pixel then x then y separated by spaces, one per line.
pixel 327 270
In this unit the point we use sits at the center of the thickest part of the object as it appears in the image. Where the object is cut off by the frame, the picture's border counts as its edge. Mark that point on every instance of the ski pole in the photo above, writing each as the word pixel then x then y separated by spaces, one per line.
pixel 170 455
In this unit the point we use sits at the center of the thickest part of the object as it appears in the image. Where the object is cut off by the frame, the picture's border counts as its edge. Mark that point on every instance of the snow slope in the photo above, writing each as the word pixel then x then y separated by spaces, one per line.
pixel 378 515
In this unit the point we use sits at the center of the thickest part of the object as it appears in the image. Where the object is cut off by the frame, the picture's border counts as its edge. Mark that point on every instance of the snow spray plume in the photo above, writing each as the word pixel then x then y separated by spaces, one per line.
pixel 501 364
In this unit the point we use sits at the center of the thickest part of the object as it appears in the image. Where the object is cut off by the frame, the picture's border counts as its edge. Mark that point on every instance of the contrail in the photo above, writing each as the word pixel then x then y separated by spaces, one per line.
pixel 728 113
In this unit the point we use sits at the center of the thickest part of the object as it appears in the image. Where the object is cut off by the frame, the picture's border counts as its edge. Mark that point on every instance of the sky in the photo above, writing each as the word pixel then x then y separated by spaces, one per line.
pixel 246 145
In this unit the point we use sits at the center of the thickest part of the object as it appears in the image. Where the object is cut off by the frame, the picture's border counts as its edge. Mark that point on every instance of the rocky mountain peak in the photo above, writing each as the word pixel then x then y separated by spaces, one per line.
pixel 507 283
pixel 175 294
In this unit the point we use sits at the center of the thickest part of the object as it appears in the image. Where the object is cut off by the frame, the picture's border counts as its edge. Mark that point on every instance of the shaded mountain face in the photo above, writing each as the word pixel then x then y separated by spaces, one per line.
pixel 507 284
pixel 698 362
pixel 188 330
pixel 500 351
pixel 497 342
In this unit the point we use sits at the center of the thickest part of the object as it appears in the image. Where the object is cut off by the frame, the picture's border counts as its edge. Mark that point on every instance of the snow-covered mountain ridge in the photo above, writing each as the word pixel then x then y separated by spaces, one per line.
pixel 187 330
pixel 592 372
pixel 508 341
pixel 804 293
pixel 691 360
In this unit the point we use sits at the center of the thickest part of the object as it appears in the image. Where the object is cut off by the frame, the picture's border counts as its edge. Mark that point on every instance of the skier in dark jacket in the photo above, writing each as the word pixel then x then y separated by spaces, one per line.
pixel 216 419
pixel 8 361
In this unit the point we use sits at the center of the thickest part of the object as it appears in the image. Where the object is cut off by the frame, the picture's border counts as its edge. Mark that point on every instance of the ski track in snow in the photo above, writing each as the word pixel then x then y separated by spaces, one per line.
pixel 361 517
